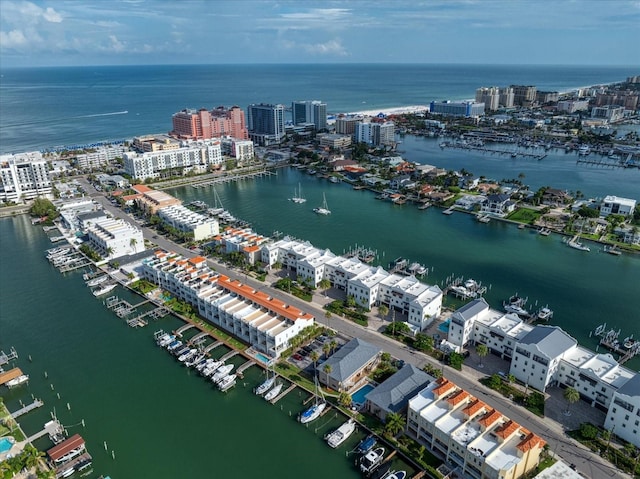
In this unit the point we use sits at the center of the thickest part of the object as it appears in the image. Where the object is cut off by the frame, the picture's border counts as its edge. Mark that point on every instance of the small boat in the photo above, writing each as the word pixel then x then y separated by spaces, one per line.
pixel 105 289
pixel 334 179
pixel 371 460
pixel 424 206
pixel 366 444
pixel 98 280
pixel 323 209
pixel 212 368
pixel 396 475
pixel 17 381
pixel 381 471
pixel 227 382
pixel 483 218
pixel 584 150
pixel 187 355
pixel 337 437
pixel 174 345
pixel 297 196
pixel 221 373
pixel 519 310
pixel 165 340
pixel 612 250
pixel 273 392
pixel 265 386
pixel 629 342
pixel 575 244
pixel 544 314
pixel 544 231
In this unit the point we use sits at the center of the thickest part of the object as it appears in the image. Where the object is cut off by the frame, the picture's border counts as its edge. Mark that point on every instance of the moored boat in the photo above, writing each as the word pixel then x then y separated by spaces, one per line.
pixel 98 280
pixel 366 444
pixel 221 373
pixel 323 209
pixel 337 437
pixel 23 378
pixel 312 413
pixel 265 386
pixel 105 289
pixel 273 392
pixel 544 313
pixel 396 475
pixel 371 460
pixel 227 382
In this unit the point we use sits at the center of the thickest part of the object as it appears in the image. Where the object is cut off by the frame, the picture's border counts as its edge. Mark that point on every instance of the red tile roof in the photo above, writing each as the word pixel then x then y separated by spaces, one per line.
pixel 530 442
pixel 507 429
pixel 491 417
pixel 474 407
pixel 65 447
pixel 458 397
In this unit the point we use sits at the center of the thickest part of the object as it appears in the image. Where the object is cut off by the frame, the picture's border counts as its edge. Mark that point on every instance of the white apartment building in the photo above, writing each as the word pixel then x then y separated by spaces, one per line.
pixel 470 435
pixel 421 302
pixel 462 321
pixel 183 219
pixel 341 270
pixel 571 106
pixel 489 96
pixel 112 238
pixel 623 418
pixel 364 287
pixel 312 267
pixel 195 156
pixel 614 205
pixel 264 322
pixel 376 134
pixel 610 113
pixel 101 156
pixel 24 176
pixel 241 150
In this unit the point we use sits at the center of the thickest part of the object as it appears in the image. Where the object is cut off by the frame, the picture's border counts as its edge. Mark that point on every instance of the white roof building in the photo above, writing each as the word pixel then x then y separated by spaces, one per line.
pixel 616 205
pixel 112 238
pixel 183 219
pixel 623 418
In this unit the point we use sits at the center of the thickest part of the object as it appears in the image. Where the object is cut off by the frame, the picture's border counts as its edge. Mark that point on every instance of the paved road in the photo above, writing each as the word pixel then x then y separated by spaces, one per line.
pixel 572 452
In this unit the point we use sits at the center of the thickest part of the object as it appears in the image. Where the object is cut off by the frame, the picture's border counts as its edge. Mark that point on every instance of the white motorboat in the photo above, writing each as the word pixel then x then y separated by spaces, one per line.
pixel 227 382
pixel 17 381
pixel 265 386
pixel 337 437
pixel 273 392
pixel 105 289
pixel 578 245
pixel 519 310
pixel 184 357
pixel 545 314
pixel 221 373
pixel 323 209
pixel 212 368
pixel 201 367
pixel 98 280
pixel 371 460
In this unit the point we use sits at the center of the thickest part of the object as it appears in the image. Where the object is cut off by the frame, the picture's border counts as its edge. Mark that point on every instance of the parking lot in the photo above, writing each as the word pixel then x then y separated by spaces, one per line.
pixel 301 358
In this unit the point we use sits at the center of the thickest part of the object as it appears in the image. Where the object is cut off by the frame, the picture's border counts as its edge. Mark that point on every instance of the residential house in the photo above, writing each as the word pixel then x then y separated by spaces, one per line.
pixel 554 197
pixel 498 205
pixel 349 366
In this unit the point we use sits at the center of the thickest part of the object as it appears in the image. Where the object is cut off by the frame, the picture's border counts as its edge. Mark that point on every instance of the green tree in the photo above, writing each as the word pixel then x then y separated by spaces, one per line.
pixel 324 285
pixel 495 381
pixel 133 243
pixel 588 431
pixel 345 399
pixel 351 301
pixel 456 360
pixel 571 396
pixel 314 356
pixel 383 311
pixel 423 342
pixel 481 351
pixel 326 348
pixel 332 345
pixel 394 423
pixel 327 369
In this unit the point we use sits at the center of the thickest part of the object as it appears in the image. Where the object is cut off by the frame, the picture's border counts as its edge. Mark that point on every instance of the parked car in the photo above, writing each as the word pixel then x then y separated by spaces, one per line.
pixel 297 357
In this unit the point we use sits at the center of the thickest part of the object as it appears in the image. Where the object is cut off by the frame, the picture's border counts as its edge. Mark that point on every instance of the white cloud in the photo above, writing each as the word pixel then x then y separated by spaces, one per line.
pixel 50 15
pixel 332 47
pixel 13 39
pixel 115 45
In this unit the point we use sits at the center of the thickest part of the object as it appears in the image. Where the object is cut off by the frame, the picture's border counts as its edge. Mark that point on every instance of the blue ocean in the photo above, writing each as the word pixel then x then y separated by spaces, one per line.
pixel 42 108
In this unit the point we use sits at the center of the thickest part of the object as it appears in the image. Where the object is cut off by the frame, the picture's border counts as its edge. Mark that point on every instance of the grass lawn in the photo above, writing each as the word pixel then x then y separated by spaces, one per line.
pixel 524 215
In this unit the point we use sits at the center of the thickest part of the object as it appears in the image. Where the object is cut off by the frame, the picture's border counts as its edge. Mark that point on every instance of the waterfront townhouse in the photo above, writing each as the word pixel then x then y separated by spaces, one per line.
pixel 340 270
pixel 241 240
pixel 24 176
pixel 614 205
pixel 195 156
pixel 112 238
pixel 597 377
pixel 364 287
pixel 183 219
pixel 469 435
pixel 349 367
pixel 419 301
pixel 461 323
pixel 500 332
pixel 312 268
pixel 537 355
pixel 623 417
pixel 264 322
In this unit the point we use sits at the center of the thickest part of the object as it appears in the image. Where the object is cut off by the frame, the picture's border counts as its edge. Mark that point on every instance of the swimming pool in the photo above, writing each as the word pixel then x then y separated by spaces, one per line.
pixel 5 444
pixel 358 397
pixel 263 358
pixel 444 327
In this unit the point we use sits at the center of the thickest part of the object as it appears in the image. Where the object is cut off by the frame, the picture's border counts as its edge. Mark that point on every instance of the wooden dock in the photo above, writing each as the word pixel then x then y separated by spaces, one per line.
pixel 212 346
pixel 178 332
pixel 283 394
pixel 25 409
pixel 52 428
pixel 229 355
pixel 244 367
pixel 198 338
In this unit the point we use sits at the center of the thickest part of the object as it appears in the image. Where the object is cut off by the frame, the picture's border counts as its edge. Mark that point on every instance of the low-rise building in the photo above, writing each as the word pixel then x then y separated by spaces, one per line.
pixel 623 417
pixel 614 205
pixel 498 205
pixel 183 219
pixel 112 237
pixel 348 368
pixel 392 396
pixel 151 201
pixel 470 435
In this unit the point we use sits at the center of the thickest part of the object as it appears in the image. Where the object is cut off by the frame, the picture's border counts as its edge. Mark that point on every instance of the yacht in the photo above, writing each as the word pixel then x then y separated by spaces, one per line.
pixel 265 386
pixel 576 244
pixel 297 196
pixel 212 368
pixel 221 373
pixel 371 460
pixel 98 280
pixel 17 381
pixel 186 356
pixel 366 444
pixel 105 289
pixel 584 150
pixel 337 437
pixel 227 382
pixel 544 314
pixel 323 209
pixel 273 392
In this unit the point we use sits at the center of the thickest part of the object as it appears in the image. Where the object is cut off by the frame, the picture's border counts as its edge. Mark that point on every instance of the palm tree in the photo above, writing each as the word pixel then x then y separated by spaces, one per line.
pixel 394 423
pixel 481 351
pixel 133 243
pixel 326 348
pixel 109 251
pixel 314 356
pixel 327 370
pixel 571 396
pixel 332 344
pixel 345 399
pixel 383 311
pixel 324 284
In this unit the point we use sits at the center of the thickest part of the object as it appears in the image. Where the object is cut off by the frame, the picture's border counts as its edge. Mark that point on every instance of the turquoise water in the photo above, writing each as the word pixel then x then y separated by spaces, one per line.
pixel 263 358
pixel 358 397
pixel 5 445
pixel 444 327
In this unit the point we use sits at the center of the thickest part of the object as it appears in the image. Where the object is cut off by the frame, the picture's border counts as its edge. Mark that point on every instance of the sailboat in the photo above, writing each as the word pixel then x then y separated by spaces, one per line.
pixel 323 209
pixel 274 391
pixel 316 409
pixel 297 195
pixel 217 207
pixel 266 385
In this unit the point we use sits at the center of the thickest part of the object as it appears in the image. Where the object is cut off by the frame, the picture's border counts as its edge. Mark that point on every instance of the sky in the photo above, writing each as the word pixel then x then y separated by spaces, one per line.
pixel 125 32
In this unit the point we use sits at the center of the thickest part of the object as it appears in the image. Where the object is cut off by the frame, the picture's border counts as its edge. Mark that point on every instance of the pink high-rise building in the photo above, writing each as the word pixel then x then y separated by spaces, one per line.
pixel 204 124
